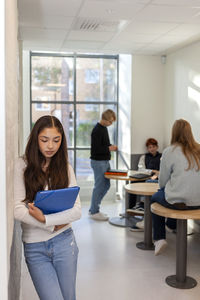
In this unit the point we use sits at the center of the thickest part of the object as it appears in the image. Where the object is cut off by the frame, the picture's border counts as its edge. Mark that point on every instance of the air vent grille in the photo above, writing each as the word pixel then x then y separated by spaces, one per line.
pixel 96 25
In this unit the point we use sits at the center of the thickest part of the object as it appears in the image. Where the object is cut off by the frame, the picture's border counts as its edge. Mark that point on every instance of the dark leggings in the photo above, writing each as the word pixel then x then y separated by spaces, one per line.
pixel 159 232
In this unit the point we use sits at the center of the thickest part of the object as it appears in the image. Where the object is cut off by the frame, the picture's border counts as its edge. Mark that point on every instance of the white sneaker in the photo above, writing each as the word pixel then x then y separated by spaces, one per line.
pixel 99 217
pixel 134 228
pixel 140 224
pixel 160 246
pixel 170 230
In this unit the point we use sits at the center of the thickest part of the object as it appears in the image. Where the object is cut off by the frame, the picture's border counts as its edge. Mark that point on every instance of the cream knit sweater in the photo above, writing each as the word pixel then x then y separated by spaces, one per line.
pixel 33 230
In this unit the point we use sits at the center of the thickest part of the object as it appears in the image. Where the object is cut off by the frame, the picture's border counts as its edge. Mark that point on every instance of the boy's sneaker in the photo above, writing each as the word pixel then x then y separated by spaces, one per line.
pixel 140 224
pixel 168 229
pixel 134 228
pixel 138 227
pixel 160 246
pixel 137 210
pixel 99 216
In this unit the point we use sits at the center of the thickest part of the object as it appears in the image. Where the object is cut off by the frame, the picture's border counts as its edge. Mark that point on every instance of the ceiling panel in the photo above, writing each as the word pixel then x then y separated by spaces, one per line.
pixel 131 38
pixel 42 45
pixel 90 36
pixel 188 30
pixel 177 2
pixel 46 21
pixel 81 45
pixel 60 7
pixel 37 34
pixel 111 11
pixel 130 47
pixel 120 26
pixel 149 27
pixel 170 39
pixel 163 13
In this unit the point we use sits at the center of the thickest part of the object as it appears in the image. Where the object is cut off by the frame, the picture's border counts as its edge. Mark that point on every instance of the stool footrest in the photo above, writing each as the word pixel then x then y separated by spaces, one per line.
pixel 144 246
pixel 189 282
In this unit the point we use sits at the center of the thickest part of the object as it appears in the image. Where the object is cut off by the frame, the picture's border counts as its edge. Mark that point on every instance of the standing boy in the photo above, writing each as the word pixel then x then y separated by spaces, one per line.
pixel 100 156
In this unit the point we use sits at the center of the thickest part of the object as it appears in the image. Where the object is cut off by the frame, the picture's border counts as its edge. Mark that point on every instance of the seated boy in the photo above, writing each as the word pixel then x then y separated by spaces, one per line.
pixel 150 161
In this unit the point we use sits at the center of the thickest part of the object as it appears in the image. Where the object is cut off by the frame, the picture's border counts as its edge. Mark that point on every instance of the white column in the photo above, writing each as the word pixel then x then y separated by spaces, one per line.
pixel 3 219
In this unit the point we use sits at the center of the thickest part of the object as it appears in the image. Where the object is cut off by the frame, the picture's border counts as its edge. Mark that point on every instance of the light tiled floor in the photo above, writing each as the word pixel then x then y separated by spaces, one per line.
pixel 111 267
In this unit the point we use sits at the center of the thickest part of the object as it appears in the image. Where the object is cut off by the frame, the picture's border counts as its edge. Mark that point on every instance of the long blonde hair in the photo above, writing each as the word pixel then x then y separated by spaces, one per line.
pixel 182 136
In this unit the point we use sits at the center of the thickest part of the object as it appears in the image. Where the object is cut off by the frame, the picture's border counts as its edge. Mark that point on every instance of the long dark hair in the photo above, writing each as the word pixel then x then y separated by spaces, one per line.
pixel 182 136
pixel 56 175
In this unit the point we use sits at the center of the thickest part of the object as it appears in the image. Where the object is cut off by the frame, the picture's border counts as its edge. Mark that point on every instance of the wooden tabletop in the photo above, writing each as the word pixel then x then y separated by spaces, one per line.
pixel 127 178
pixel 117 177
pixel 142 188
pixel 175 214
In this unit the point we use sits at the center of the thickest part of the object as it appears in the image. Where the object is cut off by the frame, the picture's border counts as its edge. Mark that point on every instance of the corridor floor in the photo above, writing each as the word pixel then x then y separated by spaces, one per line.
pixel 110 267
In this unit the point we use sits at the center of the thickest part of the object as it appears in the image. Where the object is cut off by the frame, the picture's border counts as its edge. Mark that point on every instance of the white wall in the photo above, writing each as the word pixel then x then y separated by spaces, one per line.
pixel 183 89
pixel 147 101
pixel 3 221
pixel 12 77
pixel 26 98
pixel 8 132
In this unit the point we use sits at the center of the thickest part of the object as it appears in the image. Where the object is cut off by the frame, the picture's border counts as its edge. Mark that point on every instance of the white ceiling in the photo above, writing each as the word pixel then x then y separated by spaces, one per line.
pixel 152 27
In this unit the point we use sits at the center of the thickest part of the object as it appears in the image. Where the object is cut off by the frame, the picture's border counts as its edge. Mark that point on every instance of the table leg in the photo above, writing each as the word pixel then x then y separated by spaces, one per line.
pixel 180 280
pixel 124 220
pixel 147 243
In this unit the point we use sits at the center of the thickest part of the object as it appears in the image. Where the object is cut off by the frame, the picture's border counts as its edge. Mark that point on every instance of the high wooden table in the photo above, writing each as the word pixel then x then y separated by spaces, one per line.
pixel 146 189
pixel 124 220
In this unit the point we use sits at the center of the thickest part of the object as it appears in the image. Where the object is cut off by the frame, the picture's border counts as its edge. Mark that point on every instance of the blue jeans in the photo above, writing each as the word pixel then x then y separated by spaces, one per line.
pixel 53 265
pixel 101 184
pixel 152 180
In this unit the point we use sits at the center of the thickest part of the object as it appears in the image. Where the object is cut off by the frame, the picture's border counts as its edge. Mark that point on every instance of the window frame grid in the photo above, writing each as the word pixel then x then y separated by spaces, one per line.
pixel 75 102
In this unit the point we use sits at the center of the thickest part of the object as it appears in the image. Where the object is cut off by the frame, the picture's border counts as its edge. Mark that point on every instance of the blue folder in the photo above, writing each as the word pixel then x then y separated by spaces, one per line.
pixel 53 201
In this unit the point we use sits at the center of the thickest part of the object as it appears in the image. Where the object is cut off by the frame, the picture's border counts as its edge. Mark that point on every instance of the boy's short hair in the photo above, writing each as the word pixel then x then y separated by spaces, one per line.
pixel 151 141
pixel 108 114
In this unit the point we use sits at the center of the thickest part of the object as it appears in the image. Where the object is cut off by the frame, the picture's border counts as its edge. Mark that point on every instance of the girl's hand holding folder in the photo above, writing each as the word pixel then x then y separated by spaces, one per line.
pixel 36 213
pixel 58 227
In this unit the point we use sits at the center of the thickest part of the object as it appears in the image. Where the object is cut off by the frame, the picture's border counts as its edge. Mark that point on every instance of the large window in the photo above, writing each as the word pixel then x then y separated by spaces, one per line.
pixel 76 89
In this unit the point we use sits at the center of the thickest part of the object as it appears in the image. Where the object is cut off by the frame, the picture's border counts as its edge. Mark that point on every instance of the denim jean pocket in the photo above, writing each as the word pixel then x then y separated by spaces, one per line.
pixel 66 242
pixel 73 245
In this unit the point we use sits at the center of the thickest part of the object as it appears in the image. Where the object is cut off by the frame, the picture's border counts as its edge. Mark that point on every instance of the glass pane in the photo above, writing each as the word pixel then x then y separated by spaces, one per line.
pixel 113 160
pixel 86 120
pixel 96 79
pixel 52 78
pixel 85 176
pixel 64 112
pixel 83 168
pixel 71 158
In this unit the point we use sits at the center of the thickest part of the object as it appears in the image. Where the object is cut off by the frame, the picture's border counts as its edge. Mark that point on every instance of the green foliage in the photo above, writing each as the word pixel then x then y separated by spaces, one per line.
pixel 83 134
pixel 43 75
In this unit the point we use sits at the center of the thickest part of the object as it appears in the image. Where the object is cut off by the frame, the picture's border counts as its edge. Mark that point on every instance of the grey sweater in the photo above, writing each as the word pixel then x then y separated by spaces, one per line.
pixel 180 185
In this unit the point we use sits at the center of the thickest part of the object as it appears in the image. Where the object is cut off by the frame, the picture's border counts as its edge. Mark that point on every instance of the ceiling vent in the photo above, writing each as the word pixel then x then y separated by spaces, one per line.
pixel 84 24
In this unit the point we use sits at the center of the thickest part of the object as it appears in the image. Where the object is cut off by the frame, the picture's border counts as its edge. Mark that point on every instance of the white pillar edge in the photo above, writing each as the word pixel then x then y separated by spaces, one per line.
pixel 3 213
